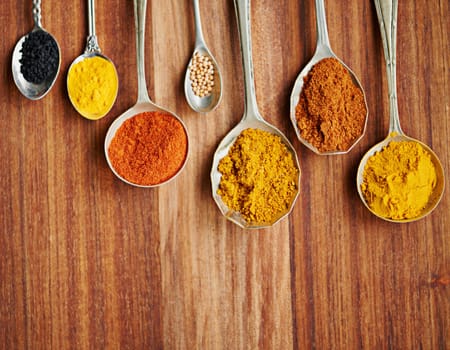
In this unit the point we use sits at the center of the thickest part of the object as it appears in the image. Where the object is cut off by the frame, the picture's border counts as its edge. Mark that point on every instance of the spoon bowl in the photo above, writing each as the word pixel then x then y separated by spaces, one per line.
pixel 437 192
pixel 323 50
pixel 139 107
pixel 387 17
pixel 209 102
pixel 222 150
pixel 251 119
pixel 28 89
pixel 92 50
pixel 86 55
pixel 143 104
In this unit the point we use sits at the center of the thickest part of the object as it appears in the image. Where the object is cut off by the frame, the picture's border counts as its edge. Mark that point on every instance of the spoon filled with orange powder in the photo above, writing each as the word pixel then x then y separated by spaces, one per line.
pixel 146 146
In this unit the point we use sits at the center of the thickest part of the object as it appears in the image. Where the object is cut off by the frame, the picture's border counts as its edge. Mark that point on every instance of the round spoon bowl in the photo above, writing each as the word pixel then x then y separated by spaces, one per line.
pixel 30 90
pixel 210 102
pixel 80 58
pixel 222 151
pixel 141 107
pixel 322 52
pixel 143 104
pixel 250 119
pixel 437 192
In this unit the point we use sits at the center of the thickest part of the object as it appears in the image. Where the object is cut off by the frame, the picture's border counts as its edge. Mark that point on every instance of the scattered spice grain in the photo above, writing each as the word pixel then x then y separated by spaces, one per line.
pixel 331 112
pixel 259 177
pixel 149 148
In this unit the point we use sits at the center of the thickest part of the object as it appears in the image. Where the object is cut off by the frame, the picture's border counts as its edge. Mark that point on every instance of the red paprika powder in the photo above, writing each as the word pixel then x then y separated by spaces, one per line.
pixel 149 148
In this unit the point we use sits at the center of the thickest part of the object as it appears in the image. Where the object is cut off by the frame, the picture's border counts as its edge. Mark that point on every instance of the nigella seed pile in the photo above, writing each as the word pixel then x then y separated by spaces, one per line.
pixel 201 75
pixel 40 57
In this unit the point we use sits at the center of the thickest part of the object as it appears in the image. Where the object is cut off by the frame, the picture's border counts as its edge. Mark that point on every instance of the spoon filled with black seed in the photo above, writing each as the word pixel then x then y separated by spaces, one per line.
pixel 36 59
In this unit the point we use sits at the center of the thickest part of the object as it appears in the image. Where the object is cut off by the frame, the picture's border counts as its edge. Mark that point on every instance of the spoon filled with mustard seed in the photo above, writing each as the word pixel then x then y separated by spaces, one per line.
pixel 400 179
pixel 203 80
pixel 36 59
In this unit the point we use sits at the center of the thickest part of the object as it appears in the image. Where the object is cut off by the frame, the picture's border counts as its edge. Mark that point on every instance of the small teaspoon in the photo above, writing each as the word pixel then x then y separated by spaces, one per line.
pixel 92 49
pixel 209 102
pixel 28 89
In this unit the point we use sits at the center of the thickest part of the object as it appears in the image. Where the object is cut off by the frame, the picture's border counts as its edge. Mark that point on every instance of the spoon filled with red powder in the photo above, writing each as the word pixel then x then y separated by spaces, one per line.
pixel 328 105
pixel 146 146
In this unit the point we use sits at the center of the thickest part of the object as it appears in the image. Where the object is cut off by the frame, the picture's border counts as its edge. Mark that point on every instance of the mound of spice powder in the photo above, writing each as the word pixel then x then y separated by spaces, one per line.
pixel 331 112
pixel 399 180
pixel 149 148
pixel 40 57
pixel 259 177
pixel 92 85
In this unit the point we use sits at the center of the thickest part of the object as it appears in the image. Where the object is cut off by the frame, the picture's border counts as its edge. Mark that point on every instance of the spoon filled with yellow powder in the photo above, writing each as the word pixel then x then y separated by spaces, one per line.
pixel 399 179
pixel 92 81
pixel 255 175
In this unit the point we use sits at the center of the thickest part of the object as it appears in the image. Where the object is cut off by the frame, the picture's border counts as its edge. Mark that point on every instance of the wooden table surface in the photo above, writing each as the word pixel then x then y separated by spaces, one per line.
pixel 88 262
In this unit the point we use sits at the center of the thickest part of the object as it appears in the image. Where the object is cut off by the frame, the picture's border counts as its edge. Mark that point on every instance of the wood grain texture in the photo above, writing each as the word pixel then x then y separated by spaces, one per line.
pixel 87 262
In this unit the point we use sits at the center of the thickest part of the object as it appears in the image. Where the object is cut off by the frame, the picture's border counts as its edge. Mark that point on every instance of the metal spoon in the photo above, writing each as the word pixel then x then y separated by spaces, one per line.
pixel 143 104
pixel 251 119
pixel 323 50
pixel 210 102
pixel 92 49
pixel 28 89
pixel 387 17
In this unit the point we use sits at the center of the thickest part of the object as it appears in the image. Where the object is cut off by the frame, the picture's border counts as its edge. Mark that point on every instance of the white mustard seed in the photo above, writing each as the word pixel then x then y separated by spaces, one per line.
pixel 201 75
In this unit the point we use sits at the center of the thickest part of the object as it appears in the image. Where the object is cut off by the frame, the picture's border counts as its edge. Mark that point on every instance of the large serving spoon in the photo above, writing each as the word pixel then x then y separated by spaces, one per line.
pixel 387 18
pixel 92 49
pixel 28 89
pixel 251 119
pixel 210 102
pixel 143 104
pixel 323 50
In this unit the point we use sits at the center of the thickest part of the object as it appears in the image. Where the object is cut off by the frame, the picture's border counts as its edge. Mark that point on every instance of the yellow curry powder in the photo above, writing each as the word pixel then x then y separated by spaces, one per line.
pixel 399 180
pixel 259 177
pixel 92 85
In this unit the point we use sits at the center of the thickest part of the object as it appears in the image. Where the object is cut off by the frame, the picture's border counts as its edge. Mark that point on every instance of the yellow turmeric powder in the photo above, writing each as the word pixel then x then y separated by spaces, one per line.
pixel 399 180
pixel 92 85
pixel 259 177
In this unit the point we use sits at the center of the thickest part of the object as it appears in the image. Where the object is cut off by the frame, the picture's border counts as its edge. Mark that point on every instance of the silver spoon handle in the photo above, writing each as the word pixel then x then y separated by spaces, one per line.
pixel 37 13
pixel 199 40
pixel 92 43
pixel 140 8
pixel 387 18
pixel 321 22
pixel 243 16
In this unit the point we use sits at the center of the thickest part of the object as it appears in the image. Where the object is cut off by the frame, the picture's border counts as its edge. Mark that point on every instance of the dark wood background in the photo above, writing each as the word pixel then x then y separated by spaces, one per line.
pixel 88 262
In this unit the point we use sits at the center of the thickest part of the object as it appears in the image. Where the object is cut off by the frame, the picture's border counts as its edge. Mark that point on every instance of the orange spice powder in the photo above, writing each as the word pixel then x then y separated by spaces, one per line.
pixel 149 148
pixel 331 111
